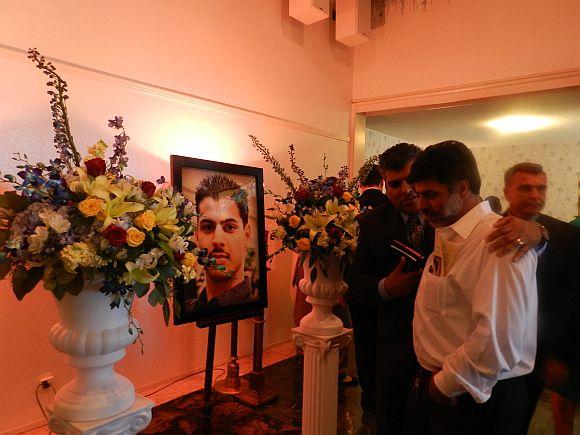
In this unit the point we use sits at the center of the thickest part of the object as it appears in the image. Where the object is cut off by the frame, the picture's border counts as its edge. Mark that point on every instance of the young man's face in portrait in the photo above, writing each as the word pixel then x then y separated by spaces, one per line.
pixel 222 232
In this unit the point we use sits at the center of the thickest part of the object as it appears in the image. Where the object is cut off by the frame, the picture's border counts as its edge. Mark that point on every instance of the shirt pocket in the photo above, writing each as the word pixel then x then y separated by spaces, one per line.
pixel 436 294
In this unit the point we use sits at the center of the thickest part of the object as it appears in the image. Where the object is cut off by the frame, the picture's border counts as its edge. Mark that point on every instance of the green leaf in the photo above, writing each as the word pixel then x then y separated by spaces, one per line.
pixel 58 291
pixel 166 313
pixel 166 272
pixel 167 249
pixel 64 277
pixel 23 281
pixel 313 274
pixel 153 297
pixel 140 289
pixel 177 309
pixel 167 289
pixel 312 260
pixel 75 286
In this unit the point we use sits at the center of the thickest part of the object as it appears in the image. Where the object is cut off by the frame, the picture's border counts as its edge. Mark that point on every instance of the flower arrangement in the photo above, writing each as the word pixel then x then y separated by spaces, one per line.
pixel 78 219
pixel 317 219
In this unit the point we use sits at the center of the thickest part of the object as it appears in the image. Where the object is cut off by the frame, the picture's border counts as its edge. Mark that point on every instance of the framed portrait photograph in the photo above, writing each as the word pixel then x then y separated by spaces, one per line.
pixel 230 273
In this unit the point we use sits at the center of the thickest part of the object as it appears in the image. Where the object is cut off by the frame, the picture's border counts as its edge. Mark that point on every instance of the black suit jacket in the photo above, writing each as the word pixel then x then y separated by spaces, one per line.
pixel 373 261
pixel 559 292
pixel 372 198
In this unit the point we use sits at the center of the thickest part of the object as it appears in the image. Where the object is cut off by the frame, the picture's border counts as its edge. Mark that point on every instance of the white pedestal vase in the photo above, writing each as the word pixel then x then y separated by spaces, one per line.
pixel 321 335
pixel 93 336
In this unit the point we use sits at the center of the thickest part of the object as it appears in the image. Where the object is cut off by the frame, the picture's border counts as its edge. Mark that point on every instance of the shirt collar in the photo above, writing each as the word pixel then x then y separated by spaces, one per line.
pixel 465 225
pixel 371 188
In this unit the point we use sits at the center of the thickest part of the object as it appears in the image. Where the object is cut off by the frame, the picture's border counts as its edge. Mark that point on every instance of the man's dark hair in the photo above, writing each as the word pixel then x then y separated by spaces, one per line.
pixel 217 186
pixel 527 167
pixel 372 178
pixel 494 204
pixel 398 156
pixel 447 163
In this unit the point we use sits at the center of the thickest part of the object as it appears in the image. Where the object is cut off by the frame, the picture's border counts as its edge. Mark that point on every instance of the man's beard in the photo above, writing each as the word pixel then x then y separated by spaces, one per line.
pixel 450 213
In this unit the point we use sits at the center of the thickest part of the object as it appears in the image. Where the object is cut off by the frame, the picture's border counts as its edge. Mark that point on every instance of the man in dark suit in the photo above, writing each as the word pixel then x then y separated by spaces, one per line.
pixel 377 277
pixel 558 356
pixel 363 311
pixel 371 184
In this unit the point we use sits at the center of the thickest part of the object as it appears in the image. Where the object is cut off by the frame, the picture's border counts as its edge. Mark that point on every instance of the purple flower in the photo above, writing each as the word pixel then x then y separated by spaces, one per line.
pixel 116 123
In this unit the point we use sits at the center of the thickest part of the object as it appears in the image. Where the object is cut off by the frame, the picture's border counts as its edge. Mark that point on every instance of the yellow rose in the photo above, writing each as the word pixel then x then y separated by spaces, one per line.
pixel 102 215
pixel 303 244
pixel 347 196
pixel 135 237
pixel 146 220
pixel 189 260
pixel 91 206
pixel 294 221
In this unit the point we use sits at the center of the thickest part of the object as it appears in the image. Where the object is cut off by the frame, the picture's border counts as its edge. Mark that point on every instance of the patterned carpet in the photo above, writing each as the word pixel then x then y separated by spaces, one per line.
pixel 228 416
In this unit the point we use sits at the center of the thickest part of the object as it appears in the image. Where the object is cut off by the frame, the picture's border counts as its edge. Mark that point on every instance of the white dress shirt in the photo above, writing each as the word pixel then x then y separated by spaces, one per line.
pixel 475 313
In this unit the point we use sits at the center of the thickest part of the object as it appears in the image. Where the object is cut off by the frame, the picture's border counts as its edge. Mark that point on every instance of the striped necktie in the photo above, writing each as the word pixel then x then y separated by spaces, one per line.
pixel 415 232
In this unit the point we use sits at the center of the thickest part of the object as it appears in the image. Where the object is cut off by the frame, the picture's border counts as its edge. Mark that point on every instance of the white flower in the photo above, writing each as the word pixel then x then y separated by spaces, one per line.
pixel 188 273
pixel 177 244
pixel 56 221
pixel 323 239
pixel 80 254
pixel 14 242
pixel 149 260
pixel 36 241
pixel 189 209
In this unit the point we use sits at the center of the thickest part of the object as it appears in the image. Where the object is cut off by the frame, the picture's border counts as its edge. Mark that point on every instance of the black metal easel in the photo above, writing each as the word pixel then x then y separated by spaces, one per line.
pixel 212 324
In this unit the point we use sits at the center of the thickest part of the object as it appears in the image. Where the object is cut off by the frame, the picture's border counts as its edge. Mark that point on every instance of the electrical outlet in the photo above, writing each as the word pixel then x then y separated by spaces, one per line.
pixel 46 380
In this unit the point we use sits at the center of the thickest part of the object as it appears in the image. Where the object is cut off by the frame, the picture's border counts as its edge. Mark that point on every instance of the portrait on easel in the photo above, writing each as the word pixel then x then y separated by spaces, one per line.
pixel 230 272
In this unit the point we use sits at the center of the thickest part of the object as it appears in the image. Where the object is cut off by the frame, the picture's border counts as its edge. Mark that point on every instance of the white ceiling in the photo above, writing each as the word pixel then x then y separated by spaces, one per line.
pixel 466 122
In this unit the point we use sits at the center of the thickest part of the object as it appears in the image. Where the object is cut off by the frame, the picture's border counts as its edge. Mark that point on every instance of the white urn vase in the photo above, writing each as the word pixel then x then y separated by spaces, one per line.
pixel 93 336
pixel 322 293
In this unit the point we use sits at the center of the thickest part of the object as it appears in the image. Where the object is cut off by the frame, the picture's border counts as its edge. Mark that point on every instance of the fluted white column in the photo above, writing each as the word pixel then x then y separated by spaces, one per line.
pixel 321 335
pixel 320 383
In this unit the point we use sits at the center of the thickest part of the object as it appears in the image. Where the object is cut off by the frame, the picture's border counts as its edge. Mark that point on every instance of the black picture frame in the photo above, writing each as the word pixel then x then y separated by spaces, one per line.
pixel 186 173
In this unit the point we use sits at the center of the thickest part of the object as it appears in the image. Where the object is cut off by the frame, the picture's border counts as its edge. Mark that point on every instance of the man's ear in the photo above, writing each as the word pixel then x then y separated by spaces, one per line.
pixel 247 231
pixel 462 188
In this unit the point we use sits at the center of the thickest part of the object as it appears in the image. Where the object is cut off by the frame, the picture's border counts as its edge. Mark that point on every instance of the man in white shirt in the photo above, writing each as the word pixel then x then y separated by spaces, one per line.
pixel 474 326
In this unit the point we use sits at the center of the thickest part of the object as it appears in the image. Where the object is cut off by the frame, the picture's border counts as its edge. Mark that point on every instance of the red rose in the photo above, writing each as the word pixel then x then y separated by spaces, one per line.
pixel 148 188
pixel 96 167
pixel 178 256
pixel 335 233
pixel 116 235
pixel 337 191
pixel 302 195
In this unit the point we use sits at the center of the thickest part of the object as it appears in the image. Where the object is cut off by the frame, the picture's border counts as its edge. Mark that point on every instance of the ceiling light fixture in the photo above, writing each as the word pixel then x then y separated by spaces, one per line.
pixel 520 123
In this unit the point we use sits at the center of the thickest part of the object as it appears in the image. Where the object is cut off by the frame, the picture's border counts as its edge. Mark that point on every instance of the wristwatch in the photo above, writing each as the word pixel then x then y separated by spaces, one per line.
pixel 545 234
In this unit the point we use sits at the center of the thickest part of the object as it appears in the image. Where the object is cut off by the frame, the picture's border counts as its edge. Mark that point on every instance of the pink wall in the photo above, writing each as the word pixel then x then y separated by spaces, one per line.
pixel 461 42
pixel 253 57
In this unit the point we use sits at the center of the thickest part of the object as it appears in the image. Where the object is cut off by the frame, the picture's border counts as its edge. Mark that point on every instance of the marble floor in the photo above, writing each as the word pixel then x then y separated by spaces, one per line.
pixel 349 415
